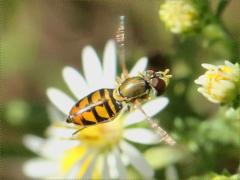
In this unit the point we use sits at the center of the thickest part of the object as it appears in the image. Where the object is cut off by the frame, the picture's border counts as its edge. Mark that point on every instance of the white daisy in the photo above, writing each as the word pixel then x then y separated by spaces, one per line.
pixel 101 151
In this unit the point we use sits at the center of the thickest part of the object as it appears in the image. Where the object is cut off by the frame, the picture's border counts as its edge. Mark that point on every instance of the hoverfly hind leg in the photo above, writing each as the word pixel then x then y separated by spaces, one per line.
pixel 79 130
pixel 165 137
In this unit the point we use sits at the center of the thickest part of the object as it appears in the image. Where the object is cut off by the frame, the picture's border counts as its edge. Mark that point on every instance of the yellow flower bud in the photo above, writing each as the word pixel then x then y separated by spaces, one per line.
pixel 179 15
pixel 220 84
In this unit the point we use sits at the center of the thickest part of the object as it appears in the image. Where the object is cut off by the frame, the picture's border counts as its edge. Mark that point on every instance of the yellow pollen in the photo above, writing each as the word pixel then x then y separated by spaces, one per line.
pixel 226 69
pixel 72 157
pixel 99 138
pixel 102 136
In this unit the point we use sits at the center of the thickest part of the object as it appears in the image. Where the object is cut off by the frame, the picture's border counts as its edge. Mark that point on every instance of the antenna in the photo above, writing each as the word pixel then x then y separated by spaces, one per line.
pixel 120 38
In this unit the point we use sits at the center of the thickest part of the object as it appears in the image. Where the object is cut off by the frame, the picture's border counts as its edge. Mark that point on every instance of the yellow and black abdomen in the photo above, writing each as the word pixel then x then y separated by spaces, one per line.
pixel 97 107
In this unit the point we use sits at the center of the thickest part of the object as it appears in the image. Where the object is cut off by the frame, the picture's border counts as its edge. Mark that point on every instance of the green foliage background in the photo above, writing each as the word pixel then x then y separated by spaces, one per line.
pixel 39 38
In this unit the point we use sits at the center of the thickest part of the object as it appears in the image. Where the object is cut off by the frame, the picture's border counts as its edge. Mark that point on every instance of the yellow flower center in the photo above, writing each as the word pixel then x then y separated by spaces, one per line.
pixel 102 136
pixel 99 138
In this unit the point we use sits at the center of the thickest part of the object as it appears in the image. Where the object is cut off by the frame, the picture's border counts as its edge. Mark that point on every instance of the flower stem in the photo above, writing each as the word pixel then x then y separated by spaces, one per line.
pixel 221 6
pixel 230 43
pixel 215 32
pixel 228 40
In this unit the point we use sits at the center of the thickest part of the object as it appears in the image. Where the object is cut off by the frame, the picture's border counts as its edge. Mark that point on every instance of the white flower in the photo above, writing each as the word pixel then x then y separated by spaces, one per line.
pixel 220 84
pixel 179 15
pixel 99 151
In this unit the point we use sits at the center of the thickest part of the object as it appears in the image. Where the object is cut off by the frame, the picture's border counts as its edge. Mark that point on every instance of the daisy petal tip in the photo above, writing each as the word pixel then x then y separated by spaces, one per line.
pixel 161 101
pixel 140 66
pixel 142 136
pixel 68 69
pixel 144 61
pixel 200 90
pixel 196 81
pixel 228 63
pixel 28 137
pixel 48 168
pixel 165 100
pixel 87 48
pixel 111 43
pixel 50 91
pixel 88 52
pixel 62 101
pixel 32 142
pixel 208 66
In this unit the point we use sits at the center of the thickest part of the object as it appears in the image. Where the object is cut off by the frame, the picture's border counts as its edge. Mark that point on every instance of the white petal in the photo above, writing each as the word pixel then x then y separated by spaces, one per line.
pixel 39 168
pixel 51 148
pixel 92 68
pixel 201 90
pixel 202 80
pixel 73 173
pixel 109 64
pixel 140 66
pixel 208 66
pixel 75 82
pixel 112 166
pixel 62 101
pixel 141 135
pixel 54 148
pixel 33 142
pixel 60 132
pixel 137 160
pixel 151 108
pixel 89 171
pixel 105 170
pixel 225 84
pixel 54 114
pixel 119 164
pixel 228 63
pixel 125 159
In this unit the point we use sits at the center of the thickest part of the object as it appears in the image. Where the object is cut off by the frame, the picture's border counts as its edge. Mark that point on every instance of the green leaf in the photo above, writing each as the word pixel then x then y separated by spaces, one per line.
pixel 160 157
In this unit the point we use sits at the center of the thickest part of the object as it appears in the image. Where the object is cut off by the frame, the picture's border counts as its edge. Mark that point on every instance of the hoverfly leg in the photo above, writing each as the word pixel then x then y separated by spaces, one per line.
pixel 157 128
pixel 120 38
pixel 129 108
pixel 118 80
pixel 79 130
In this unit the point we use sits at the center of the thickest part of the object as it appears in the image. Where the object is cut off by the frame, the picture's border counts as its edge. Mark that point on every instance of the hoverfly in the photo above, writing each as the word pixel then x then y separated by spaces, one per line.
pixel 104 105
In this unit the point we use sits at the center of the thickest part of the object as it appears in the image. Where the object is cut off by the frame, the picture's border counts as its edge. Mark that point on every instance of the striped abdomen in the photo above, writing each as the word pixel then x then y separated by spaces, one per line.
pixel 97 107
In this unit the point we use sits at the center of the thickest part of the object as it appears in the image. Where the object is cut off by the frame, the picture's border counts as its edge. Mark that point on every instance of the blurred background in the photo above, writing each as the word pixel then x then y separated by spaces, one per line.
pixel 40 37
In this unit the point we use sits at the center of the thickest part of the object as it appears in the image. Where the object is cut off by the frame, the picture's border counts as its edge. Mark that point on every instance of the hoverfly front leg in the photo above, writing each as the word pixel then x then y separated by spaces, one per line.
pixel 120 38
pixel 79 130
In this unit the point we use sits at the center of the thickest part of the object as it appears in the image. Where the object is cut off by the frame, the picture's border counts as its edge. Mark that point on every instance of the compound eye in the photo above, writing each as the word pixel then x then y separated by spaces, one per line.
pixel 69 119
pixel 159 85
